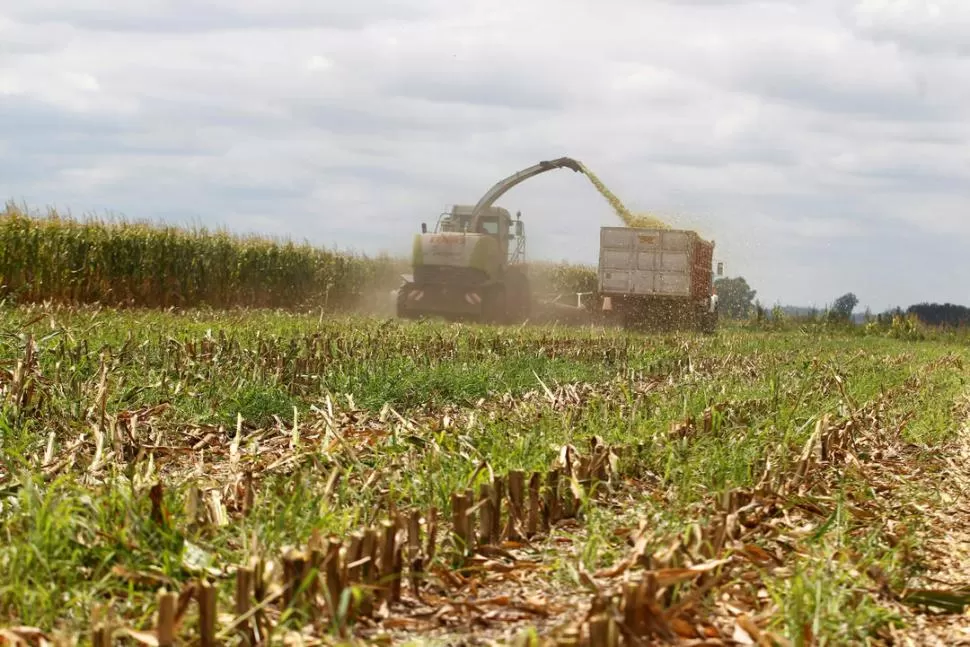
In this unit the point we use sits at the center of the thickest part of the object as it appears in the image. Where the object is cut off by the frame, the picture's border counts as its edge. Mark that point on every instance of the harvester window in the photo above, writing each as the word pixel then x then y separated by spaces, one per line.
pixel 490 227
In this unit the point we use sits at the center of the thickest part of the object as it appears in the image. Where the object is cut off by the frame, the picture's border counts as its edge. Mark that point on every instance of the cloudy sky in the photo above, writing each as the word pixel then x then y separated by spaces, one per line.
pixel 822 144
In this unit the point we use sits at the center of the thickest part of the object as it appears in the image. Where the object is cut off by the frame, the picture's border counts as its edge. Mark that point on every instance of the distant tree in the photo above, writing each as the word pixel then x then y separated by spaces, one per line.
pixel 735 297
pixel 843 306
pixel 885 318
pixel 935 314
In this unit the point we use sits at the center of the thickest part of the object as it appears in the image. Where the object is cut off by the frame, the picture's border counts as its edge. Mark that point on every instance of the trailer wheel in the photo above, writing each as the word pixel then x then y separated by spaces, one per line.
pixel 707 322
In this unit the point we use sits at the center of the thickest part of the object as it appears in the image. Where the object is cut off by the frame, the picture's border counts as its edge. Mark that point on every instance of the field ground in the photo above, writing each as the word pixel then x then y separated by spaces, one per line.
pixel 797 487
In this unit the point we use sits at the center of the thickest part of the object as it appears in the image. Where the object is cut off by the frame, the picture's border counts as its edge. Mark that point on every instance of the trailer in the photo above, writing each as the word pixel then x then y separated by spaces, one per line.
pixel 657 279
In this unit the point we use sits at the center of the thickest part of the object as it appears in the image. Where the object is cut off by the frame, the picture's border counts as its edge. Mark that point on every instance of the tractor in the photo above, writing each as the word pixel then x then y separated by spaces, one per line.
pixel 472 266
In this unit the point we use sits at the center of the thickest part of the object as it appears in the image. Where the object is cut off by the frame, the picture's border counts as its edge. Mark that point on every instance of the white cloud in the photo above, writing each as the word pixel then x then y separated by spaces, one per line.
pixel 798 135
pixel 214 15
pixel 922 25
pixel 317 63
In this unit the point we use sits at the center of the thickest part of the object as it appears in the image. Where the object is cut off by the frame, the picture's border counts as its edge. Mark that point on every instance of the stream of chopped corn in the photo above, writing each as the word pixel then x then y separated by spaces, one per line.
pixel 629 219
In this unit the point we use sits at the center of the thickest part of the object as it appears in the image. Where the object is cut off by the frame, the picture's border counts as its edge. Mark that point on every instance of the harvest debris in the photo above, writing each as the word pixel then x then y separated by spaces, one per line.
pixel 603 540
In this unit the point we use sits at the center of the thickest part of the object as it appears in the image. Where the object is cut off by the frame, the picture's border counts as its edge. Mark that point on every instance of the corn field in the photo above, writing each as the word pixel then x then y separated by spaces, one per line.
pixel 52 258
pixel 270 478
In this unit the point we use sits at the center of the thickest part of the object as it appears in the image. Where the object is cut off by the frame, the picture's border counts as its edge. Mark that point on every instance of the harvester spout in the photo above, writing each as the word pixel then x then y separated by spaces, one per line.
pixel 502 186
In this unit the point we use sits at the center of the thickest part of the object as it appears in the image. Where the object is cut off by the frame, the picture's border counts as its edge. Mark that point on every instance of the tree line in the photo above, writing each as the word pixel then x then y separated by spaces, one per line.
pixel 941 314
pixel 737 300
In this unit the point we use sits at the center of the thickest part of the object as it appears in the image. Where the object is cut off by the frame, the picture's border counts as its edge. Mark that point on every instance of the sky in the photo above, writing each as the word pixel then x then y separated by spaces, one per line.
pixel 823 144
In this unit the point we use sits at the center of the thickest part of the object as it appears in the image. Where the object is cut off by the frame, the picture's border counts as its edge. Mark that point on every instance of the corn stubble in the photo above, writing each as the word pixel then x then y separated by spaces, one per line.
pixel 603 484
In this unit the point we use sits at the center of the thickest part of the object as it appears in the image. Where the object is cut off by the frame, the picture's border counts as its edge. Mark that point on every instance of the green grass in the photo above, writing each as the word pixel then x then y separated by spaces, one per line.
pixel 67 539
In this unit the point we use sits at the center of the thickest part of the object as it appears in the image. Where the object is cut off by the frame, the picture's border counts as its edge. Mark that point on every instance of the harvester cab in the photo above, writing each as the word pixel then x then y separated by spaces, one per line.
pixel 472 265
pixel 496 222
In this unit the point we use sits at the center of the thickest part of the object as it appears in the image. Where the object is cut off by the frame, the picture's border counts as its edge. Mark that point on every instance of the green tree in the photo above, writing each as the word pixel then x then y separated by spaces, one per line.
pixel 843 306
pixel 734 297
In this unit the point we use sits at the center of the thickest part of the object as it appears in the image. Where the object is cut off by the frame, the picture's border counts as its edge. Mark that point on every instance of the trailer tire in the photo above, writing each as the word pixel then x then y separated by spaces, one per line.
pixel 708 322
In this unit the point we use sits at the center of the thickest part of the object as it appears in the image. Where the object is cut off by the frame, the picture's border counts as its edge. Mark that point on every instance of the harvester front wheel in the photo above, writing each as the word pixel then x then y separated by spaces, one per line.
pixel 519 303
pixel 494 306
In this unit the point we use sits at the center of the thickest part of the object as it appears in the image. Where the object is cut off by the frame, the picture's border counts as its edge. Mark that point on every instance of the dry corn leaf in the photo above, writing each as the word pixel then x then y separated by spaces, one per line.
pixel 142 577
pixel 952 601
pixel 535 606
pixel 501 600
pixel 711 632
pixel 494 551
pixel 669 576
pixel 405 623
pixel 741 636
pixel 615 571
pixel 750 628
pixel 147 638
pixel 758 554
pixel 683 628
pixel 19 635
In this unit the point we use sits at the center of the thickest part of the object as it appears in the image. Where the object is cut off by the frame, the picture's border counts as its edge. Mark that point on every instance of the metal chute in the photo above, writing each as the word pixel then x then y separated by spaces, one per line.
pixel 502 186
